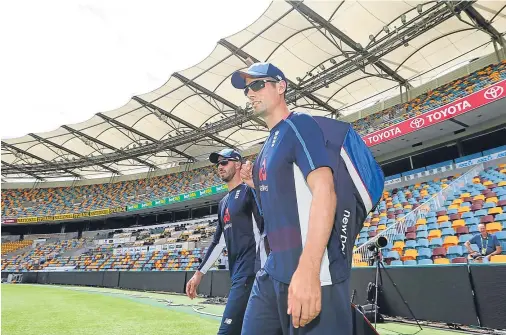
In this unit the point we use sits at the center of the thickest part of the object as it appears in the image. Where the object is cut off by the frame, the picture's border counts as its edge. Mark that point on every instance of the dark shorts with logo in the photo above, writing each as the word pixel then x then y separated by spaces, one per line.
pixel 232 320
pixel 268 303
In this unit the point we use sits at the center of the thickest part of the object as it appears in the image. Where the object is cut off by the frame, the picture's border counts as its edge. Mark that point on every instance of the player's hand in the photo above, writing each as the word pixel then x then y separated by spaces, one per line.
pixel 247 174
pixel 193 283
pixel 304 297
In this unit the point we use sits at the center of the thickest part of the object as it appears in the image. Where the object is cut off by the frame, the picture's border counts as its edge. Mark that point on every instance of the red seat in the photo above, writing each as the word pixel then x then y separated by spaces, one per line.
pixel 391 216
pixel 477 202
pixel 441 213
pixel 467 199
pixel 411 230
pixel 487 219
pixel 372 233
pixel 454 217
pixel 492 186
pixel 399 211
pixel 439 252
pixel 411 236
pixel 462 231
pixel 476 207
pixel 374 223
pixel 459 260
pixel 501 203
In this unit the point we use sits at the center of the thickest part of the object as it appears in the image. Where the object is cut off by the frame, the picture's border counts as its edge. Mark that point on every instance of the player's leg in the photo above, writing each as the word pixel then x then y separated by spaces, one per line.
pixel 262 315
pixel 334 318
pixel 231 323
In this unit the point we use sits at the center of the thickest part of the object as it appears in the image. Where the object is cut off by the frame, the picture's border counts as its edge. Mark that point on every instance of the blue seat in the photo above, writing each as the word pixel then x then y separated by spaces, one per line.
pixel 467 215
pixel 422 243
pixel 411 244
pixel 444 225
pixel 396 263
pixel 501 235
pixel 500 217
pixel 363 234
pixel 431 220
pixel 425 262
pixel 421 228
pixel 430 215
pixel 422 234
pixel 392 255
pixel 399 237
pixel 432 226
pixel 447 232
pixel 464 238
pixel 473 230
pixel 410 262
pixel 472 221
pixel 454 251
pixel 481 212
pixel 424 253
pixel 488 205
pixel 436 243
pixel 452 211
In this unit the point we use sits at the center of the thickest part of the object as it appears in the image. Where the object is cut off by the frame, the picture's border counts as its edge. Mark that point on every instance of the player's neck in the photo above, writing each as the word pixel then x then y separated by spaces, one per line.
pixel 234 182
pixel 275 116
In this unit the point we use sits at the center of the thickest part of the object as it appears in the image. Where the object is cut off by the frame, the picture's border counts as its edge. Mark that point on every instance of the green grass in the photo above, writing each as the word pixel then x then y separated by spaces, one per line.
pixel 65 310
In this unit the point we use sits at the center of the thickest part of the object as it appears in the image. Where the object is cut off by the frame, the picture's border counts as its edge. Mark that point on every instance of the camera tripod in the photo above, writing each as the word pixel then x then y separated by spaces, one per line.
pixel 379 265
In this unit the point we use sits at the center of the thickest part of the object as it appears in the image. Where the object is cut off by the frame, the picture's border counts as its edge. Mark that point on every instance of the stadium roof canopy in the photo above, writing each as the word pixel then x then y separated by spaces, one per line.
pixel 339 57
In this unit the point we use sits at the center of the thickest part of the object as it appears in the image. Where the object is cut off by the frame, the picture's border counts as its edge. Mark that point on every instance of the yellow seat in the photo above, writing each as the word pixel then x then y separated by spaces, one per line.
pixel 502 183
pixel 465 195
pixel 464 209
pixel 456 206
pixel 383 215
pixel 498 259
pixel 458 223
pixel 457 201
pixel 436 233
pixel 479 197
pixel 487 183
pixel 410 254
pixel 408 206
pixel 398 246
pixel 421 222
pixel 450 241
pixel 360 264
pixel 367 224
pixel 441 261
pixel 375 220
pixel 382 227
pixel 495 210
pixel 493 227
pixel 442 218
pixel 492 199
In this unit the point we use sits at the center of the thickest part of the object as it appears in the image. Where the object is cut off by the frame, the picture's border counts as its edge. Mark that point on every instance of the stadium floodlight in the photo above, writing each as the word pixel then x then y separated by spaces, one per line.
pixel 419 8
pixel 403 18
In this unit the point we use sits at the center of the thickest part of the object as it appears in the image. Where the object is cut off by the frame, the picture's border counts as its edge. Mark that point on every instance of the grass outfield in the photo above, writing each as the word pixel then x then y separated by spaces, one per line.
pixel 66 310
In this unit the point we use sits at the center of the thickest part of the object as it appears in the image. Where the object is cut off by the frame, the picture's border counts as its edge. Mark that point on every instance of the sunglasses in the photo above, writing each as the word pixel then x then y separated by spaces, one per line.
pixel 257 85
pixel 224 162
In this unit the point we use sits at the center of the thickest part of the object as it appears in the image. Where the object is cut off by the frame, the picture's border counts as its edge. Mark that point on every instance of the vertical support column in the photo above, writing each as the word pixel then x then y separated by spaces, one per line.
pixel 62 229
pixel 411 162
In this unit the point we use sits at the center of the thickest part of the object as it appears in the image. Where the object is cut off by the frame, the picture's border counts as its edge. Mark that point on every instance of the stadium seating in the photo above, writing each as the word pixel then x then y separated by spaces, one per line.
pixel 432 99
pixel 13 246
pixel 440 236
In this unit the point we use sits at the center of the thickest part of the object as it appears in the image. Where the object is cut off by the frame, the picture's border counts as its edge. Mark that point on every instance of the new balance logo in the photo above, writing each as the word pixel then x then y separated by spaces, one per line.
pixel 344 228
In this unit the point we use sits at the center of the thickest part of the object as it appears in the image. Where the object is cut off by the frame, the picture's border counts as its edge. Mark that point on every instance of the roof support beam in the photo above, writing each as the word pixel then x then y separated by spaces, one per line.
pixel 243 54
pixel 26 153
pixel 215 96
pixel 181 121
pixel 108 146
pixel 311 14
pixel 62 148
pixel 141 134
pixel 485 25
pixel 22 170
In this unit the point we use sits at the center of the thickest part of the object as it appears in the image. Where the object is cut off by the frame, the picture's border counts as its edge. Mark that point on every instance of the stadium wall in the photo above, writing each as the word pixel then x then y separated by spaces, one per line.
pixel 468 295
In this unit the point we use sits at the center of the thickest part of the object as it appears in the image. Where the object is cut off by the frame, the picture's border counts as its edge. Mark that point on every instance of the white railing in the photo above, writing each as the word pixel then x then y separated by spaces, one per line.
pixel 363 254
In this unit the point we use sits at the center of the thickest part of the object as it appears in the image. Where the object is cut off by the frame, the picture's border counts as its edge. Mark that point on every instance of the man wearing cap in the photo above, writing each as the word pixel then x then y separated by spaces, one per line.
pixel 239 229
pixel 303 287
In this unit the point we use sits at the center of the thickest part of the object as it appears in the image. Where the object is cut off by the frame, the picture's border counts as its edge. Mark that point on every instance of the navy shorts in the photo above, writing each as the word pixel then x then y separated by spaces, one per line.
pixel 268 303
pixel 231 323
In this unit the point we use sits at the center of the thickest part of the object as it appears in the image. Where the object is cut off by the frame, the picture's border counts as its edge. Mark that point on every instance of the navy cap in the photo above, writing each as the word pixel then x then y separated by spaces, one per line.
pixel 257 70
pixel 225 153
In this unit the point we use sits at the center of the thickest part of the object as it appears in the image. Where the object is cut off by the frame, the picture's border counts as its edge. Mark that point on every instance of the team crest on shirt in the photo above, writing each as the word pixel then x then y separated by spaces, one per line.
pixel 262 176
pixel 226 219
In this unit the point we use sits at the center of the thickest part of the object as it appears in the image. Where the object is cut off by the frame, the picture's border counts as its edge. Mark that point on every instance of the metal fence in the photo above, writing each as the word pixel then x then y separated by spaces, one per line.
pixel 363 254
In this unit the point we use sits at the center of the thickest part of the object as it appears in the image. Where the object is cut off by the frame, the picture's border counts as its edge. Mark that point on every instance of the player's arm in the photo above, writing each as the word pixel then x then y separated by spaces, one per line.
pixel 310 156
pixel 213 253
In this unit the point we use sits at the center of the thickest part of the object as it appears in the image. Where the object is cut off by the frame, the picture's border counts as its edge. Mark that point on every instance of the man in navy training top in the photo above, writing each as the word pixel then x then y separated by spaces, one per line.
pixel 488 245
pixel 239 230
pixel 303 288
